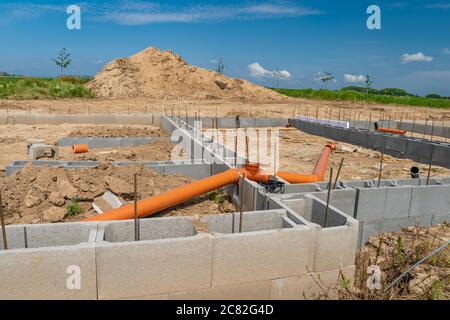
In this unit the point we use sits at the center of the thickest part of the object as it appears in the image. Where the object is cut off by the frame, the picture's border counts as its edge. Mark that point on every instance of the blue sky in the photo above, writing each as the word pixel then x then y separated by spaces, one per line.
pixel 304 38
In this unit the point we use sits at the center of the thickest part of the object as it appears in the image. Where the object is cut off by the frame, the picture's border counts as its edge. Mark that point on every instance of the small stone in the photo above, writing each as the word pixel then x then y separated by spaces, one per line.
pixel 32 200
pixel 54 214
pixel 56 198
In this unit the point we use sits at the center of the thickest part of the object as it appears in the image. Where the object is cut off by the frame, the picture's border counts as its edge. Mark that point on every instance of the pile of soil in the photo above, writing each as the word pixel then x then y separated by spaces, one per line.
pixel 42 195
pixel 159 74
pixel 114 132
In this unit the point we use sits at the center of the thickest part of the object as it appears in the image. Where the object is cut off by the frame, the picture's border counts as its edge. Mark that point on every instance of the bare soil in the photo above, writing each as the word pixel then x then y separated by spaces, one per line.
pixel 300 151
pixel 159 74
pixel 13 142
pixel 39 195
pixel 394 253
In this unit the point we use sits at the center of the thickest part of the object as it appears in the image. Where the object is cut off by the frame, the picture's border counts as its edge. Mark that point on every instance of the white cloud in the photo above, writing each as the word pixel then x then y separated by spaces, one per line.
pixel 257 71
pixel 446 51
pixel 351 78
pixel 416 57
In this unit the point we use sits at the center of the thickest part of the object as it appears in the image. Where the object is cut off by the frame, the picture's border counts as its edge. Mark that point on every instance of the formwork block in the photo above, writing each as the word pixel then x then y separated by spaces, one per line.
pixel 247 122
pixel 263 123
pixel 45 119
pixel 307 286
pixel 104 119
pixel 370 205
pixel 195 171
pixel 430 200
pixel 371 228
pixel 396 146
pixel 392 225
pixel 336 247
pixel 28 119
pixel 358 137
pixel 144 268
pixel 247 291
pixel 126 119
pixel 263 255
pixel 15 237
pixel 441 154
pixel 418 150
pixel 436 219
pixel 397 202
pixel 149 229
pixel 376 141
pixel 343 200
pixel 251 221
pixel 59 234
pixel 48 273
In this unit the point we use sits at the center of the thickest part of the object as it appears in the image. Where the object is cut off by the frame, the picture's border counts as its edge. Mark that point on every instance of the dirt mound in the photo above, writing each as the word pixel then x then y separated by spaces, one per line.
pixel 33 195
pixel 158 74
pixel 44 195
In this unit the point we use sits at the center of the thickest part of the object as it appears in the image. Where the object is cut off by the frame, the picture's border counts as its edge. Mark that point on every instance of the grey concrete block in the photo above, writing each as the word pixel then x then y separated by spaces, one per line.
pixel 15 237
pixel 45 273
pixel 248 291
pixel 263 255
pixel 136 269
pixel 149 229
pixel 430 200
pixel 59 234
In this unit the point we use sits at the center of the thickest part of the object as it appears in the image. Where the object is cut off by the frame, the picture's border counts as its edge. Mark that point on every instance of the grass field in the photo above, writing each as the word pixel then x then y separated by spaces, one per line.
pixel 38 88
pixel 347 95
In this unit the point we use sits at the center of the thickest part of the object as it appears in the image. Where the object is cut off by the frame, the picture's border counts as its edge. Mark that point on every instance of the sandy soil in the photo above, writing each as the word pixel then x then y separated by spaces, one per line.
pixel 227 107
pixel 300 151
pixel 38 195
pixel 13 141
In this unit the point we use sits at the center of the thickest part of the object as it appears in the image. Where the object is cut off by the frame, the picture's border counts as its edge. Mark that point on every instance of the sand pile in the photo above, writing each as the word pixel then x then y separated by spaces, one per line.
pixel 158 74
pixel 37 195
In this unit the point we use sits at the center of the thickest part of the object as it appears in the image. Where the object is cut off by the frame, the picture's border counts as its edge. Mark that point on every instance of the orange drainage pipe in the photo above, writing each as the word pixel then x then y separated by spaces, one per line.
pixel 181 194
pixel 80 148
pixel 318 172
pixel 395 131
pixel 388 130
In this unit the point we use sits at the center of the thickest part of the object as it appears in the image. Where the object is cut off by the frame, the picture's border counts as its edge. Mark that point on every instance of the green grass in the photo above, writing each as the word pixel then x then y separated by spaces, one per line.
pixel 41 88
pixel 349 95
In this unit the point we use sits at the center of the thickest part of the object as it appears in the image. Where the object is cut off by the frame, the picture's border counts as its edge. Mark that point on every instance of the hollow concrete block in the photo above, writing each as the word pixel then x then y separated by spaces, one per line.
pixel 15 237
pixel 430 200
pixel 46 273
pixel 336 247
pixel 247 291
pixel 307 286
pixel 262 255
pixel 137 269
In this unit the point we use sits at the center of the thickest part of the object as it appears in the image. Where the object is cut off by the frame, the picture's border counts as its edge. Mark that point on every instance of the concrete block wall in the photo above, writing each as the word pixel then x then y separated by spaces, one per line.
pixel 398 146
pixel 173 259
pixel 100 142
pixel 32 119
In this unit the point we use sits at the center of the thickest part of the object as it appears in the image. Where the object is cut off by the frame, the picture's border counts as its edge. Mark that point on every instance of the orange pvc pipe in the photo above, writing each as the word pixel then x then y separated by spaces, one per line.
pixel 80 148
pixel 395 131
pixel 318 172
pixel 171 198
pixel 181 194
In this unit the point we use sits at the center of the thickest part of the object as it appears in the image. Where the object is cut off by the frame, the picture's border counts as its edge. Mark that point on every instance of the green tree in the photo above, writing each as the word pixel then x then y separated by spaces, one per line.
pixel 62 60
pixel 369 84
pixel 327 76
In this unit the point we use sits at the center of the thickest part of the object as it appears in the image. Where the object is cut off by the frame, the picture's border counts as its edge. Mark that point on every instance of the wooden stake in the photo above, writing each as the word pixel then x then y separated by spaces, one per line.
pixel 241 202
pixel 431 163
pixel 2 220
pixel 136 219
pixel 328 199
pixel 338 173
